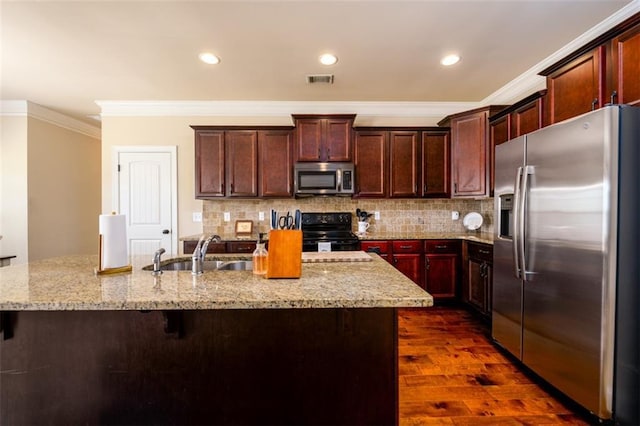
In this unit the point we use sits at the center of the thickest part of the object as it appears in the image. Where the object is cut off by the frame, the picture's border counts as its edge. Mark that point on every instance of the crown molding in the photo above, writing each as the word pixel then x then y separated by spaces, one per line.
pixel 20 108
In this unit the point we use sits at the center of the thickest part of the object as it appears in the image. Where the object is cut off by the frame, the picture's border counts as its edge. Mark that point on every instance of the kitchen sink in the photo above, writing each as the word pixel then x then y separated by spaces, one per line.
pixel 207 265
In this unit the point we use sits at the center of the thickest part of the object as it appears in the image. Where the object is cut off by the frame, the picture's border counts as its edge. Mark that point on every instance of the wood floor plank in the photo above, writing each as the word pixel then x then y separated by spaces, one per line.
pixel 451 373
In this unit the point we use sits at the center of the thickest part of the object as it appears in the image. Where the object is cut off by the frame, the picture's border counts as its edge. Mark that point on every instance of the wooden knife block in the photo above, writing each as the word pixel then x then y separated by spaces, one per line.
pixel 285 254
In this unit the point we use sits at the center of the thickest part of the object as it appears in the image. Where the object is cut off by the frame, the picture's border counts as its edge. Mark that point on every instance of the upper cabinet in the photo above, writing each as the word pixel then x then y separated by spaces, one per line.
pixel 241 162
pixel 404 160
pixel 323 137
pixel 370 160
pixel 604 71
pixel 470 152
pixel 436 163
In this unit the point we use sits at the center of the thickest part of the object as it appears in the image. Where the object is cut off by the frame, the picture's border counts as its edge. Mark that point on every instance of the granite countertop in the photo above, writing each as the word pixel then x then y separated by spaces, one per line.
pixel 69 283
pixel 480 237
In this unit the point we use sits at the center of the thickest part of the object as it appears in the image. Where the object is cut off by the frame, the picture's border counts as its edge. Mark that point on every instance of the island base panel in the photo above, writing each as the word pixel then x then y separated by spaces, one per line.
pixel 295 366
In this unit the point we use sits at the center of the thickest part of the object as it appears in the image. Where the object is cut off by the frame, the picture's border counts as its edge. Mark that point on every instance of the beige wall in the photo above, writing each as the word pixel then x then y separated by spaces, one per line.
pixel 50 190
pixel 63 212
pixel 396 215
pixel 13 188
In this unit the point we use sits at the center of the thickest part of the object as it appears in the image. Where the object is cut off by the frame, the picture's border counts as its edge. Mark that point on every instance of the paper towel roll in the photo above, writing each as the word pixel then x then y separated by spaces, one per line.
pixel 113 228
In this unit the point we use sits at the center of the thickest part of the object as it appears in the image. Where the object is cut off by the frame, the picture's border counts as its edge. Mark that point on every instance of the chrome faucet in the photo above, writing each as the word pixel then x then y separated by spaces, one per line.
pixel 197 260
pixel 156 261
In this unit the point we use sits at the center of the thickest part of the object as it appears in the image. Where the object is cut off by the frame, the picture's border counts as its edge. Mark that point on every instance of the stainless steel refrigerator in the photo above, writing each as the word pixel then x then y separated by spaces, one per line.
pixel 566 253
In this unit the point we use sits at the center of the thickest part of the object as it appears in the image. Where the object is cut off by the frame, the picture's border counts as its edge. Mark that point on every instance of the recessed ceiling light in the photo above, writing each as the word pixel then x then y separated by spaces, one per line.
pixel 328 59
pixel 450 60
pixel 209 58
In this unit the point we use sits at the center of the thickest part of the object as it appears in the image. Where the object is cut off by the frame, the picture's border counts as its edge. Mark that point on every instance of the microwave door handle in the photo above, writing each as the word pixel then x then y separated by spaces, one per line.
pixel 516 224
pixel 339 179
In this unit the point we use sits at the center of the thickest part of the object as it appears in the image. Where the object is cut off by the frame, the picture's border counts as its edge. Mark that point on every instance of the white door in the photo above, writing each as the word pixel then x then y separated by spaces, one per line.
pixel 146 186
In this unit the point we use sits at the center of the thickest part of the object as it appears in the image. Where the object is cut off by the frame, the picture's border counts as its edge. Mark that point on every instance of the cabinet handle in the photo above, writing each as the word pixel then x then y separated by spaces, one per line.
pixel 222 188
pixel 395 260
pixel 328 153
pixel 455 188
pixel 483 251
pixel 424 189
pixel 439 247
pixel 427 264
pixel 232 187
pixel 405 247
pixel 614 95
pixel 319 153
pixel 593 104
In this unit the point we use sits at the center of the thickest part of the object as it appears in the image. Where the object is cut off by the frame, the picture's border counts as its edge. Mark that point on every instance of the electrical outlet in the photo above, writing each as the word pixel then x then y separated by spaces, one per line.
pixel 455 215
pixel 227 216
pixel 261 216
pixel 197 216
pixel 376 215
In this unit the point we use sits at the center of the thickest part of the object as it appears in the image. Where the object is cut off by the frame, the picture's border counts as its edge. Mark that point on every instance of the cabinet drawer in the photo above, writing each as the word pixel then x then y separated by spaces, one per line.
pixel 407 246
pixel 442 246
pixel 480 251
pixel 190 246
pixel 379 247
pixel 240 247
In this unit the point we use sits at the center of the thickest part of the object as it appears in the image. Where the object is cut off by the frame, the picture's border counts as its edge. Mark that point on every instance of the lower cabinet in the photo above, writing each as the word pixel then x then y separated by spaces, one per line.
pixel 222 247
pixel 382 248
pixel 478 263
pixel 441 264
pixel 407 258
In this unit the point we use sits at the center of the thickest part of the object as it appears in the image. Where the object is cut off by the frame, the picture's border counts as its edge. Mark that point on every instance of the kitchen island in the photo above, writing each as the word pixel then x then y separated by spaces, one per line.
pixel 225 347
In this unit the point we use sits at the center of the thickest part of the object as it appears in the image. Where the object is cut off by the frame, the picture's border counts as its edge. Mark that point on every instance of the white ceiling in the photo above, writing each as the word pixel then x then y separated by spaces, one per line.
pixel 65 55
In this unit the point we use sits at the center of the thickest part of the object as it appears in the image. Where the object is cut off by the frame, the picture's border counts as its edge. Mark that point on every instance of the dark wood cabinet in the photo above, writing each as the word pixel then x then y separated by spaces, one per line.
pixel 209 164
pixel 478 278
pixel 407 258
pixel 382 248
pixel 624 82
pixel 323 138
pixel 222 247
pixel 241 246
pixel 241 163
pixel 370 160
pixel 470 152
pixel 404 160
pixel 441 264
pixel 435 165
pixel 275 163
pixel 576 87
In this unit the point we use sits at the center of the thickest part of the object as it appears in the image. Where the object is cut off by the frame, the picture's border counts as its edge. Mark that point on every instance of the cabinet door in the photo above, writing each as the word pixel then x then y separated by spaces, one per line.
pixel 380 247
pixel 526 119
pixel 436 157
pixel 370 162
pixel 275 163
pixel 242 163
pixel 337 142
pixel 309 135
pixel 410 265
pixel 469 155
pixel 576 88
pixel 403 164
pixel 209 159
pixel 477 291
pixel 625 58
pixel 441 275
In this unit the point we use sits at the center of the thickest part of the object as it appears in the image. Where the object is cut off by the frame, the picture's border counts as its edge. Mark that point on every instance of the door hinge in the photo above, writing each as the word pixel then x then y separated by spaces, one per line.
pixel 118 168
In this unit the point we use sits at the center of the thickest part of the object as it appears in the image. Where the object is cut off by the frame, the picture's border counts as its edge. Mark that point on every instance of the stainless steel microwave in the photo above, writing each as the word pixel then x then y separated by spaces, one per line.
pixel 324 178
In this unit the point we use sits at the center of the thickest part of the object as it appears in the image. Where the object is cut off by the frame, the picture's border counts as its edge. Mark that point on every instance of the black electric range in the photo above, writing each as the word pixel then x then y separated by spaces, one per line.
pixel 333 228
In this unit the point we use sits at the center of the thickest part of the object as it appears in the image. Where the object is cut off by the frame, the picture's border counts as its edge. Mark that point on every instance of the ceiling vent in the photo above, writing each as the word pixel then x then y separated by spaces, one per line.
pixel 320 78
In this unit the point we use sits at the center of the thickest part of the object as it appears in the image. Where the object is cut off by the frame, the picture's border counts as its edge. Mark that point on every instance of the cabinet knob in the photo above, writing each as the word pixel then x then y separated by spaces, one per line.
pixel 614 95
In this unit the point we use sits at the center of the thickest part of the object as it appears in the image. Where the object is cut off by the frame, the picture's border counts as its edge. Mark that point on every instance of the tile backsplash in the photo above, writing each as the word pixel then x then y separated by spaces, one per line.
pixel 396 215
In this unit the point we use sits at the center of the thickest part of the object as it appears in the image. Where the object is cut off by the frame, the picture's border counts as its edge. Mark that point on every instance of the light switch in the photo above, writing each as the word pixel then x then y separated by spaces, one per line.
pixel 197 216
pixel 455 215
pixel 260 216
pixel 227 216
pixel 376 215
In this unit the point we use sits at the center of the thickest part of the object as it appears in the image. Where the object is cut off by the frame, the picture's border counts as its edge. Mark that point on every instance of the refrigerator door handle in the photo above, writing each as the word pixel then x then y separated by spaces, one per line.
pixel 526 172
pixel 516 224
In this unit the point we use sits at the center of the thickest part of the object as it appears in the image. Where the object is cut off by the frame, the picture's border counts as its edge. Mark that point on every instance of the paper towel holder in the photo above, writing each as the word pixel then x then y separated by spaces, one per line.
pixel 104 271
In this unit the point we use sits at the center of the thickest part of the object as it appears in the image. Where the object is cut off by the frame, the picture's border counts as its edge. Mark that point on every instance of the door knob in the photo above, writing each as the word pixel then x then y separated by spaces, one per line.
pixel 166 231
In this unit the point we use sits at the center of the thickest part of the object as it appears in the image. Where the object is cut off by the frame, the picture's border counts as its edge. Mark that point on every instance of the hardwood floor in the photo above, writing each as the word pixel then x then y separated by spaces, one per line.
pixel 451 374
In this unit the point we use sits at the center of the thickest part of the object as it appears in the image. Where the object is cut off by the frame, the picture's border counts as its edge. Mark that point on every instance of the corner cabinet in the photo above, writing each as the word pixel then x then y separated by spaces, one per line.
pixel 470 152
pixel 238 162
pixel 323 137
